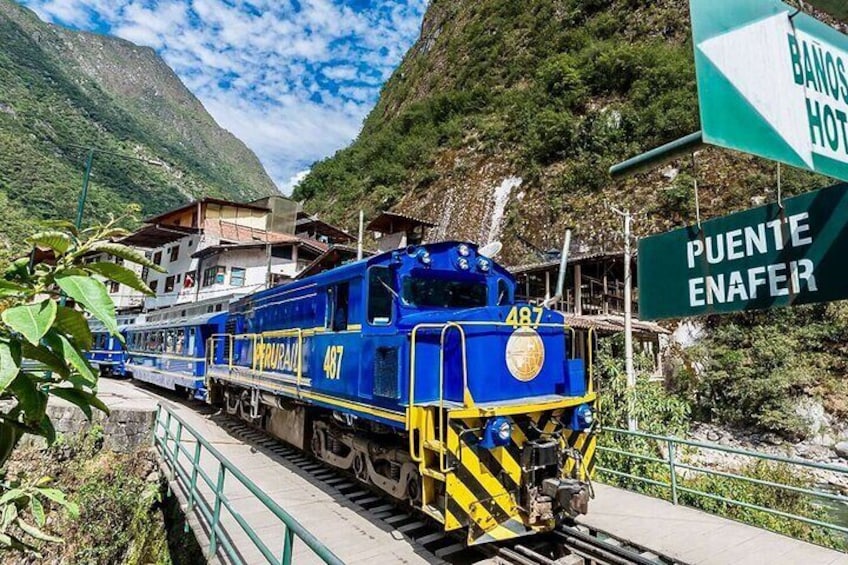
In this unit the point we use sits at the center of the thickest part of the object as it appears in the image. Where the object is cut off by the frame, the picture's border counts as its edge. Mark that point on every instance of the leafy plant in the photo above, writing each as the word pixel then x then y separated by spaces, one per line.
pixel 44 333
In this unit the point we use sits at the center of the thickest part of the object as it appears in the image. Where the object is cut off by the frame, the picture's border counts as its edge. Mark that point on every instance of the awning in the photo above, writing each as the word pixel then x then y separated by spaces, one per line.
pixel 156 235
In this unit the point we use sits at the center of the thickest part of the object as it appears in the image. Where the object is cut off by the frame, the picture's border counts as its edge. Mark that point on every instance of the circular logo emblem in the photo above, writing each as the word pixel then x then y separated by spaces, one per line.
pixel 525 354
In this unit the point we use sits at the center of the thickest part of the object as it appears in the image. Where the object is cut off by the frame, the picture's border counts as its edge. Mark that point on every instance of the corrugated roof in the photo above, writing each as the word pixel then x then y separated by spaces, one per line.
pixel 612 324
pixel 387 221
pixel 574 258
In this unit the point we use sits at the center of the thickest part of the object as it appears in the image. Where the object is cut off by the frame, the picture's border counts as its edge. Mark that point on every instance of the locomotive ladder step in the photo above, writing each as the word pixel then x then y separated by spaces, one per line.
pixel 433 474
pixel 434 445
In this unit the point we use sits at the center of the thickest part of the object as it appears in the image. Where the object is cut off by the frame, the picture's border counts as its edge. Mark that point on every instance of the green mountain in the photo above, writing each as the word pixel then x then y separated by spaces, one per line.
pixel 503 120
pixel 61 89
pixel 551 92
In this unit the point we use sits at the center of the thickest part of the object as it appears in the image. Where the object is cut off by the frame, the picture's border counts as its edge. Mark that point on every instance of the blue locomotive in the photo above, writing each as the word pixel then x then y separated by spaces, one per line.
pixel 108 354
pixel 417 371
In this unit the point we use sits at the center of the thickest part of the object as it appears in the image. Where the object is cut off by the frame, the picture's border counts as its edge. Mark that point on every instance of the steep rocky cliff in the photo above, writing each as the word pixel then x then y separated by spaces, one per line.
pixel 60 89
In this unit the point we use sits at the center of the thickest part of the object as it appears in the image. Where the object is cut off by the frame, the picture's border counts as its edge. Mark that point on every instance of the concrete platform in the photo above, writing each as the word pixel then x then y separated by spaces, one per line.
pixel 350 532
pixel 696 537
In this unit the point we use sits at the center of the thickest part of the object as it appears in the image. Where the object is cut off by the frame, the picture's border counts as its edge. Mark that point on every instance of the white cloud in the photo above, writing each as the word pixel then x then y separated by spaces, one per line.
pixel 292 78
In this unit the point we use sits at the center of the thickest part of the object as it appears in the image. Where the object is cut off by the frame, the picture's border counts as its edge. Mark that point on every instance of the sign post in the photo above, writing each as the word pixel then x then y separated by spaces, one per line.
pixel 760 258
pixel 772 81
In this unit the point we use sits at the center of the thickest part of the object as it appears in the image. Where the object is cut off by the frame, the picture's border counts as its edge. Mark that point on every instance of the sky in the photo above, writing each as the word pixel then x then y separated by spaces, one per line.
pixel 293 79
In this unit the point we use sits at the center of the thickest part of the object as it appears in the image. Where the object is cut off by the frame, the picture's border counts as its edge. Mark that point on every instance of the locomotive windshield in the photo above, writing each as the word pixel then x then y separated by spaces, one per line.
pixel 431 292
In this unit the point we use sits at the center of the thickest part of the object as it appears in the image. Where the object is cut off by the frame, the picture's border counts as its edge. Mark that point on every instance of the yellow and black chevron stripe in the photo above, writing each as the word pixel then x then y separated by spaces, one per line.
pixel 484 486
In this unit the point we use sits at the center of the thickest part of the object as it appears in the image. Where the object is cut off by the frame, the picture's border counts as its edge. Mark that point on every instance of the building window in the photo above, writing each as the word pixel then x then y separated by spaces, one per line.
pixel 169 284
pixel 114 287
pixel 175 253
pixel 157 258
pixel 237 276
pixel 188 280
pixel 284 252
pixel 154 285
pixel 214 275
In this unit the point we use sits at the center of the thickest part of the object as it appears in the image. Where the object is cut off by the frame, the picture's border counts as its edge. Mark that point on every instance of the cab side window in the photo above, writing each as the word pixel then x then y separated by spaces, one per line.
pixel 338 309
pixel 380 295
pixel 503 293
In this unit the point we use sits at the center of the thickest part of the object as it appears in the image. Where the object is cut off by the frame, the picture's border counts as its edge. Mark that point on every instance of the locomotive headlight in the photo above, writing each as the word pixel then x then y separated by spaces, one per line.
pixel 464 250
pixel 483 265
pixel 424 257
pixel 584 416
pixel 496 433
pixel 504 431
pixel 462 263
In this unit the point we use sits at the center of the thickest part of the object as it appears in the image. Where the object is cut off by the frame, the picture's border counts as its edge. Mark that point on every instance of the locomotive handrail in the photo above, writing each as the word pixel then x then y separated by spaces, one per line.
pixel 292 332
pixel 171 446
pixel 445 326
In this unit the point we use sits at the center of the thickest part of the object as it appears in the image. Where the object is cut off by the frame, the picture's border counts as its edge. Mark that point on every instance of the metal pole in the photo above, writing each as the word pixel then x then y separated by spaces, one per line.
pixel 632 425
pixel 81 206
pixel 359 239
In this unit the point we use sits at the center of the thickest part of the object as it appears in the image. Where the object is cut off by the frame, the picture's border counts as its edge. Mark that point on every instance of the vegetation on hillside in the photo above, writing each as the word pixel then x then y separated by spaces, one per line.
pixel 50 107
pixel 123 515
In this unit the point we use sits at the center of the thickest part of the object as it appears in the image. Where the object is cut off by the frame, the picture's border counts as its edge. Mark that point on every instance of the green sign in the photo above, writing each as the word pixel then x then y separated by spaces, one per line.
pixel 772 81
pixel 759 258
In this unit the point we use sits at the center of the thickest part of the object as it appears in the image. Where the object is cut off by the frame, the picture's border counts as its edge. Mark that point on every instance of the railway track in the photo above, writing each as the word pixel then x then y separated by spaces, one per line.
pixel 570 545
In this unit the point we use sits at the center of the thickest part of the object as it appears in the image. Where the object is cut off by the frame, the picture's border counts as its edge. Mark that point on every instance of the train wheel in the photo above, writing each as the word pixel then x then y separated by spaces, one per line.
pixel 315 444
pixel 413 489
pixel 360 467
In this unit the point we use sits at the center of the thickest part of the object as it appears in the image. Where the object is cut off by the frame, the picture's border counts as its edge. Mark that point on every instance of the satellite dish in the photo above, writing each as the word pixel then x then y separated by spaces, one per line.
pixel 491 250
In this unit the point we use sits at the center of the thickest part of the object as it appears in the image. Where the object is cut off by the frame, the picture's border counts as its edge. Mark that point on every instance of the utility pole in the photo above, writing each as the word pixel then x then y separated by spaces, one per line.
pixel 632 424
pixel 359 238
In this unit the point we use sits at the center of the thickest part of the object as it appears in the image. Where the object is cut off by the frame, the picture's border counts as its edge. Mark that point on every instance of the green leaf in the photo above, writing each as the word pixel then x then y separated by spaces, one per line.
pixel 121 274
pixel 47 430
pixel 37 511
pixel 55 495
pixel 37 533
pixel 10 363
pixel 31 400
pixel 10 512
pixel 32 320
pixel 128 254
pixel 61 346
pixel 9 436
pixel 74 325
pixel 58 241
pixel 92 294
pixel 8 288
pixel 11 495
pixel 44 356
pixel 18 269
pixel 59 224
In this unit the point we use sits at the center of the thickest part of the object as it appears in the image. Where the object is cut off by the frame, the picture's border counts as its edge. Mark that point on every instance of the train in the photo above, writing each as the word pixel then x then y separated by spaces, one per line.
pixel 416 370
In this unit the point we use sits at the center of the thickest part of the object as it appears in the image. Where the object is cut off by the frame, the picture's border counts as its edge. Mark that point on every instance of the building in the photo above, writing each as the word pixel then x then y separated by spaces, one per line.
pixel 593 298
pixel 394 231
pixel 212 248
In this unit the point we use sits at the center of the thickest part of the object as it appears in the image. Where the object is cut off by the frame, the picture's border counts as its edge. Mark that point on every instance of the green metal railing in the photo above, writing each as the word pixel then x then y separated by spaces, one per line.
pixel 678 470
pixel 171 445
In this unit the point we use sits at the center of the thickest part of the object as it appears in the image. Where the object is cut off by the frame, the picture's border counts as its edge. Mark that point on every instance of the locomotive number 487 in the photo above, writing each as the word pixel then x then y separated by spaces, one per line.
pixel 524 316
pixel 333 362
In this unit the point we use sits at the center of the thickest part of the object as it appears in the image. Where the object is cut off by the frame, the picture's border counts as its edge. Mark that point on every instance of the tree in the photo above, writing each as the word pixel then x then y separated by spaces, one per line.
pixel 44 333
